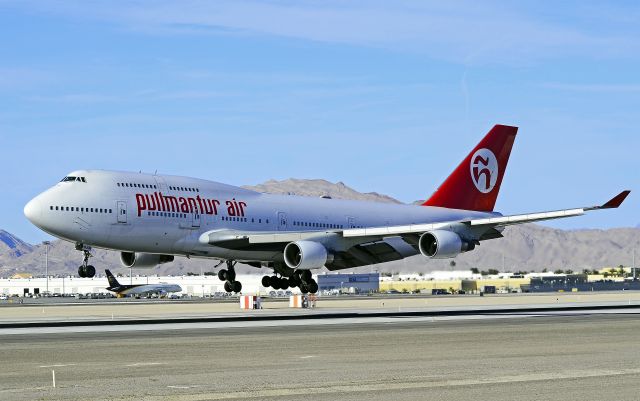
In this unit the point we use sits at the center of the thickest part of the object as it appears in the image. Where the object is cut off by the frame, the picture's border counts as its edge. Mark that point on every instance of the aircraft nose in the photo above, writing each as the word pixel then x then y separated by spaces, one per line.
pixel 33 210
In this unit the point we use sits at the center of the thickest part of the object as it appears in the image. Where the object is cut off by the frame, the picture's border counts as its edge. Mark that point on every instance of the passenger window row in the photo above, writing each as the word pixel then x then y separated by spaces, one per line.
pixel 243 219
pixel 131 185
pixel 186 189
pixel 316 225
pixel 167 214
pixel 80 209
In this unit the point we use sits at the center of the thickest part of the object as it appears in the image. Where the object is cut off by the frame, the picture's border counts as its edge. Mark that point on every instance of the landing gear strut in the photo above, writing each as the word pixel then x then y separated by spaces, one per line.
pixel 307 283
pixel 228 275
pixel 299 278
pixel 85 270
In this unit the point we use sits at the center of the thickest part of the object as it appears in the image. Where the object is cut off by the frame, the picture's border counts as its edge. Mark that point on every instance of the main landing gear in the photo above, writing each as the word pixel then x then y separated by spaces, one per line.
pixel 228 275
pixel 299 278
pixel 85 270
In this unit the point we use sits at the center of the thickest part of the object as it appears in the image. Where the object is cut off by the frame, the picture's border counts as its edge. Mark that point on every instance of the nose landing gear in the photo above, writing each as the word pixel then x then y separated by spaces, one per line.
pixel 228 275
pixel 85 270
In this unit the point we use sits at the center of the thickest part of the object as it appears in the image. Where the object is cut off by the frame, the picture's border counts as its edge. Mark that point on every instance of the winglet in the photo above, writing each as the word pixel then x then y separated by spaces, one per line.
pixel 616 201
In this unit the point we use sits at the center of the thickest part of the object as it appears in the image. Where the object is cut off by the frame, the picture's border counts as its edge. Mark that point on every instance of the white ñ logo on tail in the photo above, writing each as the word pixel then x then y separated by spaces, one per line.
pixel 484 170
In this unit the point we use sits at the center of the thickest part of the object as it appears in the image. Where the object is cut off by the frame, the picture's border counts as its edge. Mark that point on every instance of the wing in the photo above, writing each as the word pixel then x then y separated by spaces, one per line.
pixel 365 246
pixel 347 252
pixel 491 223
pixel 230 237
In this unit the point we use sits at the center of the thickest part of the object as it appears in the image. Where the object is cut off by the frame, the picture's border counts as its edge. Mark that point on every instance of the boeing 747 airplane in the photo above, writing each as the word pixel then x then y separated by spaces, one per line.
pixel 123 290
pixel 150 218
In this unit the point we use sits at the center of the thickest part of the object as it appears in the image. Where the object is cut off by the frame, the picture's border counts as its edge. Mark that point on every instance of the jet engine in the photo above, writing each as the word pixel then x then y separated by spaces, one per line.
pixel 143 260
pixel 442 244
pixel 306 255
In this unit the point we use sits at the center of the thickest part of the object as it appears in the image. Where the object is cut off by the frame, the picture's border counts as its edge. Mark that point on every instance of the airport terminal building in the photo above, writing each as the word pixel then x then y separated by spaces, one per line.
pixel 191 285
pixel 354 283
pixel 331 283
pixel 200 286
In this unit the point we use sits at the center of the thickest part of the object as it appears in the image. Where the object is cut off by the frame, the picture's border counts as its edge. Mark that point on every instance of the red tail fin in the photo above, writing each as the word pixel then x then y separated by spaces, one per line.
pixel 475 184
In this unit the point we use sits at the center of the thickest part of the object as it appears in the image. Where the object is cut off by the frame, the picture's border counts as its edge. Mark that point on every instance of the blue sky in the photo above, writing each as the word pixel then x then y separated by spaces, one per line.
pixel 384 96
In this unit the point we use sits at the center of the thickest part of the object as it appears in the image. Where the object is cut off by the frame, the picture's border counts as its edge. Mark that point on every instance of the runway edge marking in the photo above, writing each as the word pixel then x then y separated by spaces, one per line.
pixel 314 316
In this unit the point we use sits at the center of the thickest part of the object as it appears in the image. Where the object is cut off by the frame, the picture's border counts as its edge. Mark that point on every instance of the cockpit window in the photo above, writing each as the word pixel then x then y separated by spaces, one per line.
pixel 71 178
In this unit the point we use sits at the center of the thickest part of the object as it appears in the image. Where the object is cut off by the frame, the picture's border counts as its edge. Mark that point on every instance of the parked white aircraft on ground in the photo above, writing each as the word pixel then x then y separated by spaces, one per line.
pixel 150 218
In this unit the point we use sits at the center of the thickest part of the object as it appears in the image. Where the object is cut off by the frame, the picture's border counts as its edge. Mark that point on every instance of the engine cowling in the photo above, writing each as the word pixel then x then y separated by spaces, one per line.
pixel 306 255
pixel 143 260
pixel 442 244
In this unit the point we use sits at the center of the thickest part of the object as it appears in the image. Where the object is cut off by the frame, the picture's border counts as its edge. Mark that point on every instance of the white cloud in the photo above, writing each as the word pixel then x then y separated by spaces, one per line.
pixel 463 32
pixel 145 96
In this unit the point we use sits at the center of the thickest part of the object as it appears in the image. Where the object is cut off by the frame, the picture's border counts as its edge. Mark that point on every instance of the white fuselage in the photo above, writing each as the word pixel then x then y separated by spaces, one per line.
pixel 163 214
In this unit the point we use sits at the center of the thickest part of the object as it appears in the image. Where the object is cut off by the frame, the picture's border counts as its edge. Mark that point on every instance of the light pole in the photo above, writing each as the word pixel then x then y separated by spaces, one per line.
pixel 46 261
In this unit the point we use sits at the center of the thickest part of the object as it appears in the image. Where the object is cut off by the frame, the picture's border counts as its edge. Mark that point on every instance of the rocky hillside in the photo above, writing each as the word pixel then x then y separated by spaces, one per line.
pixel 293 186
pixel 12 246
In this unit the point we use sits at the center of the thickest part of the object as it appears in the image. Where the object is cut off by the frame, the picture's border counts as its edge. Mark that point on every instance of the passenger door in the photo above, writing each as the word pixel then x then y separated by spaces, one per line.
pixel 121 207
pixel 195 218
pixel 282 221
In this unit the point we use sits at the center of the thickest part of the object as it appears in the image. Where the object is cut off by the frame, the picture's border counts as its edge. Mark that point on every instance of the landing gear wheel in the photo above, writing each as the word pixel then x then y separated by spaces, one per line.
pixel 89 271
pixel 313 287
pixel 284 284
pixel 266 281
pixel 231 275
pixel 304 289
pixel 294 280
pixel 228 275
pixel 305 276
pixel 222 275
pixel 85 270
pixel 275 282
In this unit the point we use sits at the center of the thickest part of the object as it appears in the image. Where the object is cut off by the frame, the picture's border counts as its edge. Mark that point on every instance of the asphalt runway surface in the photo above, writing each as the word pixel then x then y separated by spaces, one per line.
pixel 581 355
pixel 124 309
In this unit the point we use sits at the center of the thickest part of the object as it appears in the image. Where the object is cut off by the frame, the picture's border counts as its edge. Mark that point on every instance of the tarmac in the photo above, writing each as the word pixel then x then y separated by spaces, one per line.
pixel 584 356
pixel 558 352
pixel 134 309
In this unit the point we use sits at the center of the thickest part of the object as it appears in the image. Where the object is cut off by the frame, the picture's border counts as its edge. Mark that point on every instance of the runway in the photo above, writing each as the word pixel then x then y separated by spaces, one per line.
pixel 125 310
pixel 580 355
